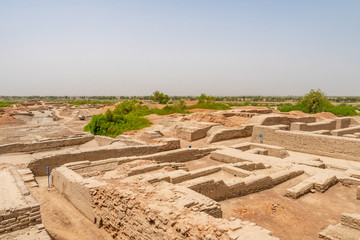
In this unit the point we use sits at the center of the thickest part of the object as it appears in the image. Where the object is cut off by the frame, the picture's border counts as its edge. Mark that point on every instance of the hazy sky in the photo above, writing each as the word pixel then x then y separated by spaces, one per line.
pixel 181 47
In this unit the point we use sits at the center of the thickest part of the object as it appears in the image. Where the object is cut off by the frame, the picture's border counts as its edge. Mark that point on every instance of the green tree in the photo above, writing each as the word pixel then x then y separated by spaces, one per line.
pixel 205 99
pixel 314 102
pixel 160 97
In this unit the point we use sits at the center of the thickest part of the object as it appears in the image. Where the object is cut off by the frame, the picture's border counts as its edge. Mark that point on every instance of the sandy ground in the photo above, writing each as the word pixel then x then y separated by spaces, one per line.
pixel 201 163
pixel 61 219
pixel 10 195
pixel 302 218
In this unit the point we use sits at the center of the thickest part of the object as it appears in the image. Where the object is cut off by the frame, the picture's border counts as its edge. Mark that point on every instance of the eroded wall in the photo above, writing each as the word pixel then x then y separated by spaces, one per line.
pixel 332 146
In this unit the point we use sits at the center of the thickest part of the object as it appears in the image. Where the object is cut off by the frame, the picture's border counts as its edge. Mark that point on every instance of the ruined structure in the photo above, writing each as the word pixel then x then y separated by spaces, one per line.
pixel 160 190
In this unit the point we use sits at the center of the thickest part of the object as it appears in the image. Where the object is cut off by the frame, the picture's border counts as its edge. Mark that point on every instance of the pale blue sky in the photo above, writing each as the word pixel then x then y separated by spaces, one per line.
pixel 187 47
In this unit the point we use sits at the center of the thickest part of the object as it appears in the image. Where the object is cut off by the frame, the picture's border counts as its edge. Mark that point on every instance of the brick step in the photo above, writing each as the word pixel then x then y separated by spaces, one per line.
pixel 351 220
pixel 340 232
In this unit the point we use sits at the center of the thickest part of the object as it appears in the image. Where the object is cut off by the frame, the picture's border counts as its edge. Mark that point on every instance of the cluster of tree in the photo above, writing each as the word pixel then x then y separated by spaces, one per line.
pixel 208 102
pixel 345 99
pixel 205 99
pixel 164 98
pixel 315 102
pixel 160 97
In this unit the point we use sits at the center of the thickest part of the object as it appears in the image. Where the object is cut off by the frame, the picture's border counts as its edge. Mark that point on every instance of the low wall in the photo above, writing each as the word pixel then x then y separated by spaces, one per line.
pixel 192 133
pixel 346 122
pixel 332 146
pixel 279 119
pixel 181 155
pixel 326 125
pixel 231 133
pixel 39 146
pixel 176 156
pixel 344 131
pixel 38 165
pixel 337 123
pixel 75 189
pixel 219 190
pixel 274 151
pixel 104 141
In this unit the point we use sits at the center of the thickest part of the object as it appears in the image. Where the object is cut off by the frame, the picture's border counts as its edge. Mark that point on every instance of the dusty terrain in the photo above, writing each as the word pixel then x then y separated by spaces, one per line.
pixel 62 220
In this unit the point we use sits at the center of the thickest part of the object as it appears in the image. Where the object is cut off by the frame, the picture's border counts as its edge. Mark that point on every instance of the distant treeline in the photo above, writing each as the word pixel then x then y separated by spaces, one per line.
pixel 110 99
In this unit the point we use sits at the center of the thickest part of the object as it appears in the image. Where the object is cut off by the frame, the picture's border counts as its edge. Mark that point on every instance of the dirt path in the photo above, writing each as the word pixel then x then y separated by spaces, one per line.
pixel 61 219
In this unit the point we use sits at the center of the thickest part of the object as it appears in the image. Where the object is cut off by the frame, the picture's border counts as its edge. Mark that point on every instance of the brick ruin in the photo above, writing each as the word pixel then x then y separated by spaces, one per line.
pixel 139 190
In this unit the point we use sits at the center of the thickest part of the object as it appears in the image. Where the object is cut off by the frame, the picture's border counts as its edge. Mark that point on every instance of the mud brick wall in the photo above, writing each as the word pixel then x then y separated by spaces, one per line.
pixel 332 146
pixel 38 146
pixel 38 165
pixel 326 125
pixel 75 189
pixel 15 219
pixel 227 134
pixel 343 131
pixel 279 119
pixel 134 211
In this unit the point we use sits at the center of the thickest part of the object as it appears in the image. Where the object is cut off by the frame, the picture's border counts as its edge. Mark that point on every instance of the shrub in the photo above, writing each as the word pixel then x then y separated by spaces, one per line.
pixel 159 97
pixel 128 116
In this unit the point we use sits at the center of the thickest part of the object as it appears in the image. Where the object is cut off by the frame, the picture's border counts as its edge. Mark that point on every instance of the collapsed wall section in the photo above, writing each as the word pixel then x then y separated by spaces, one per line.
pixel 138 211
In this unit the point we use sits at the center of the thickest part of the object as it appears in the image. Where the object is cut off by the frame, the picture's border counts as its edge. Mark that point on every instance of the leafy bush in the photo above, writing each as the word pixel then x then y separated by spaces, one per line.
pixel 316 101
pixel 159 97
pixel 134 107
pixel 128 116
pixel 113 124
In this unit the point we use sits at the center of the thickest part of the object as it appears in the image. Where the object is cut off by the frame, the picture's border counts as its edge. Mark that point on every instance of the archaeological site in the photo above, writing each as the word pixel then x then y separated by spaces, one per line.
pixel 248 173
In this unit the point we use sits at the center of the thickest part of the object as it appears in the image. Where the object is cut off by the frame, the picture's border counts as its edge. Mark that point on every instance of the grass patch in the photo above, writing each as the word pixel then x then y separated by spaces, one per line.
pixel 7 104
